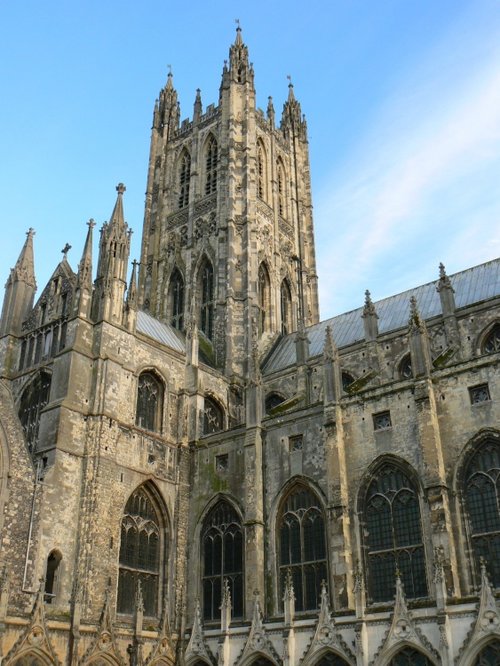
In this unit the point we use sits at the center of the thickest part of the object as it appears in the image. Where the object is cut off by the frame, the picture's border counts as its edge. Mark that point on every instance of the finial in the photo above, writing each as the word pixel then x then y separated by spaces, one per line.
pixel 442 270
pixel 120 188
pixel 169 67
pixel 369 307
pixel 66 249
pixel 31 232
pixel 91 223
pixel 290 84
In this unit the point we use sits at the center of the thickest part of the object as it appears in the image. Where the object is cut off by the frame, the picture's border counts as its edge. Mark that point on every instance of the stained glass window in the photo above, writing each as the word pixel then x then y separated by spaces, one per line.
pixel 222 554
pixel 211 166
pixel 33 400
pixel 149 402
pixel 184 178
pixel 176 298
pixel 492 342
pixel 302 547
pixel 393 535
pixel 482 500
pixel 139 554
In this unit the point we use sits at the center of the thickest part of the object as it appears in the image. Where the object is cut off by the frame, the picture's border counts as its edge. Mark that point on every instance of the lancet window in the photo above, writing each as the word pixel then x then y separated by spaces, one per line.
pixel 184 179
pixel 405 369
pixel 222 560
pixel 286 308
pixel 482 501
pixel 302 547
pixel 261 173
pixel 207 299
pixel 264 295
pixel 33 400
pixel 52 576
pixel 393 535
pixel 492 342
pixel 211 166
pixel 140 554
pixel 149 402
pixel 281 189
pixel 213 418
pixel 176 300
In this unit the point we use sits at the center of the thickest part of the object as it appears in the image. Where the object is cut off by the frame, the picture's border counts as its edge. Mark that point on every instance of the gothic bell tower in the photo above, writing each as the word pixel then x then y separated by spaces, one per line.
pixel 228 245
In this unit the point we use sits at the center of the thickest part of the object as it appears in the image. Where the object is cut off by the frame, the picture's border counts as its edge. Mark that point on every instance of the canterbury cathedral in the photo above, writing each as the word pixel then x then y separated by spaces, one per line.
pixel 196 470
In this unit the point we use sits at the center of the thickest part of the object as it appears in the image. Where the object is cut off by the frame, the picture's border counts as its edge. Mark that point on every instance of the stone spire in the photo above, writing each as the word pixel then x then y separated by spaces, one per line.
pixel 20 289
pixel 270 111
pixel 419 342
pixel 240 69
pixel 84 276
pixel 446 292
pixel 198 107
pixel 167 113
pixel 114 251
pixel 292 121
pixel 370 318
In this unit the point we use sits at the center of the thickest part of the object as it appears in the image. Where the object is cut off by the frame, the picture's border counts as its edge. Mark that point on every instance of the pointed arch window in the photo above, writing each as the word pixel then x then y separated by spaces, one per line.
pixel 141 547
pixel 52 576
pixel 302 547
pixel 261 173
pixel 207 304
pixel 482 502
pixel 281 189
pixel 222 559
pixel 176 300
pixel 489 655
pixel 332 659
pixel 264 297
pixel 184 179
pixel 408 656
pixel 149 410
pixel 393 535
pixel 286 308
pixel 492 343
pixel 405 369
pixel 211 166
pixel 273 400
pixel 213 418
pixel 33 401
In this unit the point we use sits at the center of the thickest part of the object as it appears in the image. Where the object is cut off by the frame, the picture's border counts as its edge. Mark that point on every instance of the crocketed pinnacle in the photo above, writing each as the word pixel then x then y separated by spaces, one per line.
pixel 117 220
pixel 369 307
pixel 85 265
pixel 24 270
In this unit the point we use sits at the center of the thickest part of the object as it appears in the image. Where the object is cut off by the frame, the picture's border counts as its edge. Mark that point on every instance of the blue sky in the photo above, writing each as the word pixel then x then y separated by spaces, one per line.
pixel 402 99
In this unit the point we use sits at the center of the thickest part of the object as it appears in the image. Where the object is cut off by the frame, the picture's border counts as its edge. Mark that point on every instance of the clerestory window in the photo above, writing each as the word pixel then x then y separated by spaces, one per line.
pixel 393 535
pixel 302 547
pixel 149 410
pixel 482 502
pixel 492 342
pixel 222 558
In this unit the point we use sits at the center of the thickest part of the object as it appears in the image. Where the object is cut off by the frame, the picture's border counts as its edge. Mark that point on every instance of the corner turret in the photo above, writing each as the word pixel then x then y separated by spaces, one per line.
pixel 20 290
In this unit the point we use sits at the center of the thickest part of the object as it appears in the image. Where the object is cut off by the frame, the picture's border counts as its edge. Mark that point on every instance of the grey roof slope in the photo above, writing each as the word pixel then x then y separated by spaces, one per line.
pixel 473 285
pixel 159 331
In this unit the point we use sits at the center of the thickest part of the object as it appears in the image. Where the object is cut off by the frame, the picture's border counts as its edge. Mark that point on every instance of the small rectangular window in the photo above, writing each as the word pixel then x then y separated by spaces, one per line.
pixel 382 421
pixel 296 443
pixel 222 462
pixel 479 394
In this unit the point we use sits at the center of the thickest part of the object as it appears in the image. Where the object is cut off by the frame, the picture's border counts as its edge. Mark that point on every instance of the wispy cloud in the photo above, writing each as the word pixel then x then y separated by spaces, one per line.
pixel 426 168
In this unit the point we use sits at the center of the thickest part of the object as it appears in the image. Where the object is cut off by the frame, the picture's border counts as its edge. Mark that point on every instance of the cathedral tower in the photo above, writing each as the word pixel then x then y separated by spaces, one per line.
pixel 228 233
